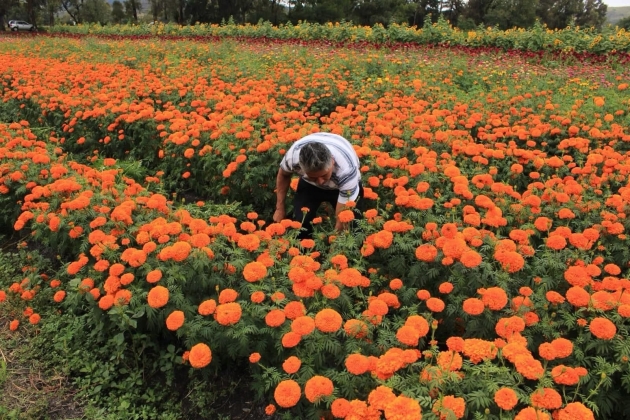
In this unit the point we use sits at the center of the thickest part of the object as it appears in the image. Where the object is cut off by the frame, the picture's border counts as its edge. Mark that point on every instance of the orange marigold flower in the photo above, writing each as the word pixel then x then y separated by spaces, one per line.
pixel 207 307
pixel 254 357
pixel 357 364
pixel 564 375
pixel 291 365
pixel 270 410
pixel 395 284
pixel 227 295
pixel 478 350
pixel 200 356
pixel 426 253
pixel 408 335
pixel 275 318
pixel 287 393
pixel 419 323
pixel 340 408
pixel 258 296
pixel 574 411
pixel 13 325
pixel 317 387
pixel 328 320
pixel 228 313
pixel 345 216
pixel 554 297
pixel 449 360
pixel 303 325
pixel 455 343
pixel 494 298
pixel 435 304
pixel 506 398
pixel 34 319
pixel 547 398
pixel 603 328
pixel 380 397
pixel 531 413
pixel 157 297
pixel 556 242
pixel 356 328
pixel 449 406
pixel 154 276
pixel 446 288
pixel 249 242
pixel 175 320
pixel 402 408
pixel 578 297
pixel 378 307
pixel 562 347
pixel 294 309
pixel 59 296
pixel 254 271
pixel 473 306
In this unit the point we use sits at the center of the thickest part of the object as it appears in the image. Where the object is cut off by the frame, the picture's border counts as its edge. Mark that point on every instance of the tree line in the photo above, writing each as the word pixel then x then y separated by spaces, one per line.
pixel 503 14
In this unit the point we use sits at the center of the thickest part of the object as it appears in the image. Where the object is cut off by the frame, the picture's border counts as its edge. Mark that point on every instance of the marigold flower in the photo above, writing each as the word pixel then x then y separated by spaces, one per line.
pixel 380 397
pixel 207 307
pixel 318 387
pixel 445 288
pixel 158 297
pixel 473 306
pixel 378 307
pixel 328 320
pixel 270 410
pixel 547 398
pixel 577 296
pixel 478 350
pixel 603 328
pixel 340 408
pixel 449 406
pixel 287 393
pixel 395 284
pixel 200 356
pixel 291 339
pixel 574 411
pixel 303 325
pixel 419 323
pixel 435 304
pixel 254 271
pixel 257 297
pixel 228 313
pixel 506 398
pixel 294 309
pixel 402 408
pixel 59 296
pixel 254 357
pixel 13 325
pixel 564 375
pixel 531 413
pixel 34 319
pixel 408 335
pixel 494 298
pixel 275 318
pixel 175 320
pixel 449 360
pixel 355 328
pixel 454 343
pixel 227 295
pixel 554 297
pixel 291 365
pixel 426 253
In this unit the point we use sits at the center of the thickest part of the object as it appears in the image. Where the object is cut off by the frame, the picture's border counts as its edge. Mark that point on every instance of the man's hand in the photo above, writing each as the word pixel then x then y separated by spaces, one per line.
pixel 279 215
pixel 340 226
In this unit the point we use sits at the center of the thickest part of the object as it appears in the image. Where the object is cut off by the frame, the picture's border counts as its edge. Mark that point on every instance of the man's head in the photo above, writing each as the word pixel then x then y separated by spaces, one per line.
pixel 317 162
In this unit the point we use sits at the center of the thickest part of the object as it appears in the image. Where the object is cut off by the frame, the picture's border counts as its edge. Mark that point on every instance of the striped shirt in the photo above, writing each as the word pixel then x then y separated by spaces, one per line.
pixel 346 175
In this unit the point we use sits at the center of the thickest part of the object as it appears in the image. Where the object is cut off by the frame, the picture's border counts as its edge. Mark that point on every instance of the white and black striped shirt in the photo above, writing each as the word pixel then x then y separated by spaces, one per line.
pixel 346 174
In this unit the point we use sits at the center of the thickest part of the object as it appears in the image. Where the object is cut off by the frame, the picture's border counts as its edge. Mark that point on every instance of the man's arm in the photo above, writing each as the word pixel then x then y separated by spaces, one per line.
pixel 283 181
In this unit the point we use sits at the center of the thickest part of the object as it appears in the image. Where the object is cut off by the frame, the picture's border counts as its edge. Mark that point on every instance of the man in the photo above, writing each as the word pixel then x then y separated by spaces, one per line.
pixel 329 171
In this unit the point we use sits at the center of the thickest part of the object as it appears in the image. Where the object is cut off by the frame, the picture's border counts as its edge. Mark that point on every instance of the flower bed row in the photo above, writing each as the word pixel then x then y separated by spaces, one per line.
pixel 489 276
pixel 537 38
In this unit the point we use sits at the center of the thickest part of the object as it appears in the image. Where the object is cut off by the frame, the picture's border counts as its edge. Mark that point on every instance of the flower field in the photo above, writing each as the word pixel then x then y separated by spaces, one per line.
pixel 490 276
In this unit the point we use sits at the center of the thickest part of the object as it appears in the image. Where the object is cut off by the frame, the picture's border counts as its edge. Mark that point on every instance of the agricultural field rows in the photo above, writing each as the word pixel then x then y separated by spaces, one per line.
pixel 488 279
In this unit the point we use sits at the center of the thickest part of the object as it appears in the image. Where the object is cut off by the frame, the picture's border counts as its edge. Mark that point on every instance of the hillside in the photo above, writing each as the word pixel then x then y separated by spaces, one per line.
pixel 615 14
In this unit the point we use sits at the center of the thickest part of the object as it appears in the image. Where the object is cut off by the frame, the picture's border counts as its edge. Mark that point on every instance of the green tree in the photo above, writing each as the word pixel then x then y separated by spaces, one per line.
pixel 476 10
pixel 118 12
pixel 624 23
pixel 592 13
pixel 97 11
pixel 508 14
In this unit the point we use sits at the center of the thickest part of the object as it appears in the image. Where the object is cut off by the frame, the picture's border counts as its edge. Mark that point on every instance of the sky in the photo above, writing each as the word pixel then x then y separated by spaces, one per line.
pixel 617 3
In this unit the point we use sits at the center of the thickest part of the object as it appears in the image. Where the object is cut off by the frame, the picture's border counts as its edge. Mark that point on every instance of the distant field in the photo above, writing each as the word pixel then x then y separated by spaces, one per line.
pixel 615 14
